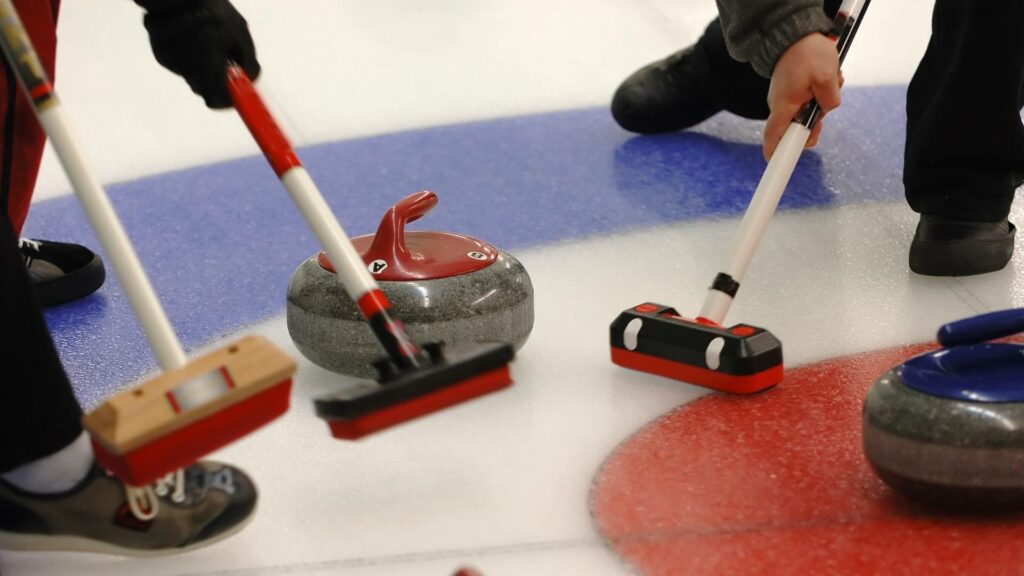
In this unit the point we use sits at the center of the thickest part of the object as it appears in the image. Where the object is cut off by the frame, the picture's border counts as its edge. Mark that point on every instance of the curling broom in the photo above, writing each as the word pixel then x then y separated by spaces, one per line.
pixel 741 359
pixel 413 380
pixel 192 408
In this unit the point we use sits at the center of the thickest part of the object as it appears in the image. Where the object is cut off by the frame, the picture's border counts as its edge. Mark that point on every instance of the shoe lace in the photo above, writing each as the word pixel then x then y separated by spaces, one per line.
pixel 145 501
pixel 29 249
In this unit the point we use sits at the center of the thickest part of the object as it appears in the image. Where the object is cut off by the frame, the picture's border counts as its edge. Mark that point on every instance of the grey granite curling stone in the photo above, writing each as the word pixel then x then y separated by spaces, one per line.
pixel 947 427
pixel 444 288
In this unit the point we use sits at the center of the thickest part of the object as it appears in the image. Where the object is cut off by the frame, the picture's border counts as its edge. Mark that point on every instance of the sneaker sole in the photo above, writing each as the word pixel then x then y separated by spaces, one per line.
pixel 74 286
pixel 43 543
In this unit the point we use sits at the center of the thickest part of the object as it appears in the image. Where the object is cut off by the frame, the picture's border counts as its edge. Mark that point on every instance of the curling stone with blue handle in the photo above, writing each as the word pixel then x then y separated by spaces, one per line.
pixel 947 427
pixel 446 288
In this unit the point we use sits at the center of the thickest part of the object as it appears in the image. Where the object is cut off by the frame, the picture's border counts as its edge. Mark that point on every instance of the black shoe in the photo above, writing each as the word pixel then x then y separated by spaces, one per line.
pixel 946 246
pixel 689 87
pixel 61 272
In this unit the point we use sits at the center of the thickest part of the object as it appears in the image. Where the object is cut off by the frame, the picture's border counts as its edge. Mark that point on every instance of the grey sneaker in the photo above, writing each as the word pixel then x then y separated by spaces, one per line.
pixel 192 507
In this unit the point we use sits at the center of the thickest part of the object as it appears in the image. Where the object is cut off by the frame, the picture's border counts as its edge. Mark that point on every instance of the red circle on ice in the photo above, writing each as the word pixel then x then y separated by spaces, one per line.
pixel 777 483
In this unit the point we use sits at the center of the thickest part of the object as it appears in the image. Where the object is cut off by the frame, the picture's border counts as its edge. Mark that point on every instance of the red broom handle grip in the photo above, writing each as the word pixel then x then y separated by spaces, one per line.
pixel 257 118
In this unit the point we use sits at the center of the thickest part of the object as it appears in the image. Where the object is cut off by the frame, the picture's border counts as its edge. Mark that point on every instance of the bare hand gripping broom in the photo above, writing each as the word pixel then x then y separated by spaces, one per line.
pixel 192 408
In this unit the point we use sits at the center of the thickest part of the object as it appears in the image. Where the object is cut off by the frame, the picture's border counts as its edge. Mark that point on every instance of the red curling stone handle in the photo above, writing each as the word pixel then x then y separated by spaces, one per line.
pixel 390 237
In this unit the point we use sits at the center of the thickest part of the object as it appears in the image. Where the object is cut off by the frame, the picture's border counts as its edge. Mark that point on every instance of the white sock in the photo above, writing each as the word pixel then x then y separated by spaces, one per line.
pixel 58 472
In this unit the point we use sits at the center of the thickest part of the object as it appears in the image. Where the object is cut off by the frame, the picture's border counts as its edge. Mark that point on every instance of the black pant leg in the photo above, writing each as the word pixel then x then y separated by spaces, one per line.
pixel 964 154
pixel 38 410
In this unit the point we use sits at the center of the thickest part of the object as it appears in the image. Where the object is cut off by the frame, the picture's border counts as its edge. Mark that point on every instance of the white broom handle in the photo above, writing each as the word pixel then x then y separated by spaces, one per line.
pixel 105 223
pixel 759 214
pixel 776 177
pixel 348 264
pixel 25 63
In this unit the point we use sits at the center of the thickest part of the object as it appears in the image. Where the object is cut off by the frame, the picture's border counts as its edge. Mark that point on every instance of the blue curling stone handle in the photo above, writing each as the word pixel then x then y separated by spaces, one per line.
pixel 989 372
pixel 969 367
pixel 981 328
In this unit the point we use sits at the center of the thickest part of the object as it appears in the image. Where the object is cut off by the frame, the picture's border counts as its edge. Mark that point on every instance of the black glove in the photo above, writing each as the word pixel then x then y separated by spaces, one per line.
pixel 196 39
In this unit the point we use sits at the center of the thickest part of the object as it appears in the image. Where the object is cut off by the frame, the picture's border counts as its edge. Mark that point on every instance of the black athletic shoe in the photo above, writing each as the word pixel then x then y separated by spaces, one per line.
pixel 690 86
pixel 189 508
pixel 946 246
pixel 61 272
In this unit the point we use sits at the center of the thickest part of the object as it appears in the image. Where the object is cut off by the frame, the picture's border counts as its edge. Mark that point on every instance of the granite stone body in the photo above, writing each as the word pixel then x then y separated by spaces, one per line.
pixel 492 304
pixel 952 453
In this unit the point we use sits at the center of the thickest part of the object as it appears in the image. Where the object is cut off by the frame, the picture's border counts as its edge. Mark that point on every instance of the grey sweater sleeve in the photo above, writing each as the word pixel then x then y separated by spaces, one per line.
pixel 759 31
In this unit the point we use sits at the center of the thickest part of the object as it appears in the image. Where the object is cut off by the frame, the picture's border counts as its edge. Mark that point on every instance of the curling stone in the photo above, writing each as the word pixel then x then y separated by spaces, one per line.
pixel 446 288
pixel 947 427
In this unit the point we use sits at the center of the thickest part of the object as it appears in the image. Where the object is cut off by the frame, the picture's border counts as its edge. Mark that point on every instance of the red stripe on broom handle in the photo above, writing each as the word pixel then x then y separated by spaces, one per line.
pixel 257 118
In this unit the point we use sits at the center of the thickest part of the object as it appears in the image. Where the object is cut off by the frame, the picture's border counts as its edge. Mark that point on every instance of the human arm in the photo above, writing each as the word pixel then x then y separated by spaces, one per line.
pixel 196 39
pixel 784 40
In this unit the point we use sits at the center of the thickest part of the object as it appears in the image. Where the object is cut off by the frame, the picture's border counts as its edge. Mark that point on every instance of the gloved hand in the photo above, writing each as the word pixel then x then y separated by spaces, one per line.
pixel 196 39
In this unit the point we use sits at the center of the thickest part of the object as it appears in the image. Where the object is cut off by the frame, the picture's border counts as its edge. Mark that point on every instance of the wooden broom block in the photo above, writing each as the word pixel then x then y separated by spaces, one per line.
pixel 177 398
